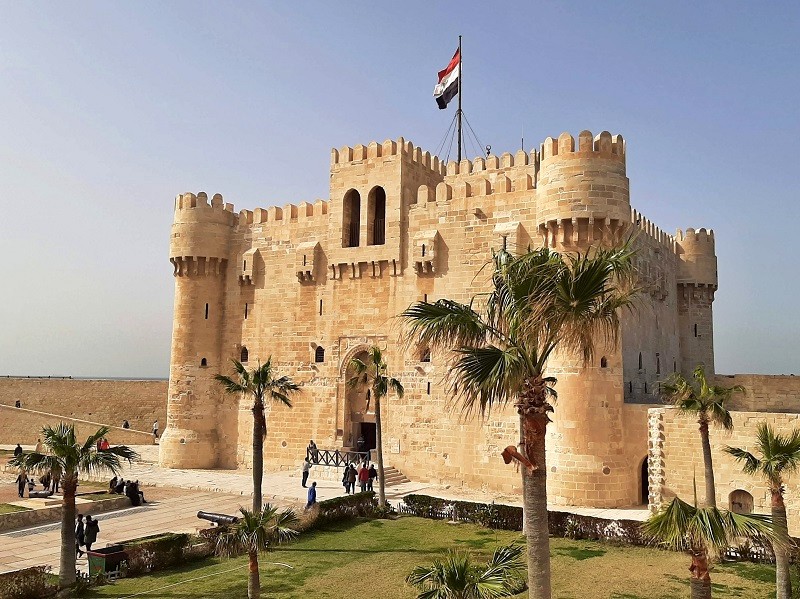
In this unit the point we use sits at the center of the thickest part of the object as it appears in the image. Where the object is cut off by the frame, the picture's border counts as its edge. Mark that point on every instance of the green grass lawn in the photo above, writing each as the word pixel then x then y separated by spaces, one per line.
pixel 372 559
pixel 6 508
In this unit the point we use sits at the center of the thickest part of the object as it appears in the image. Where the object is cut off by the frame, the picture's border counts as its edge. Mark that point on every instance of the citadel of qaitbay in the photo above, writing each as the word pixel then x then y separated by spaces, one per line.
pixel 314 285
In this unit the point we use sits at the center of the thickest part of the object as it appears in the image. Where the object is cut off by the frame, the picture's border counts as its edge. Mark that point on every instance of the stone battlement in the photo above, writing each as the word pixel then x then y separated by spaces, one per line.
pixel 602 145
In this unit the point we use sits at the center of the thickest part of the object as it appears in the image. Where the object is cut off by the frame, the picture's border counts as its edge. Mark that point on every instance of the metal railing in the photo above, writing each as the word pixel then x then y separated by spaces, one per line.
pixel 338 458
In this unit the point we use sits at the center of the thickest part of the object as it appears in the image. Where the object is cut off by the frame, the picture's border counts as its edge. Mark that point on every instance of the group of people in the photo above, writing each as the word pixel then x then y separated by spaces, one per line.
pixel 50 481
pixel 128 488
pixel 85 533
pixel 365 476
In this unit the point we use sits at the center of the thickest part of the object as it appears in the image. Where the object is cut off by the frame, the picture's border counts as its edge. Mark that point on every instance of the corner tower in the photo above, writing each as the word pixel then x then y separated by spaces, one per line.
pixel 583 200
pixel 199 248
pixel 697 283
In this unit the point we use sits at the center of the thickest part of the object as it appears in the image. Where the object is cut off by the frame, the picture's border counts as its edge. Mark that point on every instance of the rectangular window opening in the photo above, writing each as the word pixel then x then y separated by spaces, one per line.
pixel 206 311
pixel 245 311
pixel 320 307
pixel 429 387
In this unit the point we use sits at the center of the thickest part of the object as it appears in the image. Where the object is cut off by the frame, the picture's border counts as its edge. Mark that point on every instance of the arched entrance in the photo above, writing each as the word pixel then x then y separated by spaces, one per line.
pixel 740 502
pixel 359 412
pixel 645 482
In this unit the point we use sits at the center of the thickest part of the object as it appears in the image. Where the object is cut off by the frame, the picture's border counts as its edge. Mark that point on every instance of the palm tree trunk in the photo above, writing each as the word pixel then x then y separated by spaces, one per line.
pixel 253 579
pixel 783 581
pixel 258 452
pixel 701 579
pixel 533 409
pixel 711 494
pixel 66 573
pixel 379 451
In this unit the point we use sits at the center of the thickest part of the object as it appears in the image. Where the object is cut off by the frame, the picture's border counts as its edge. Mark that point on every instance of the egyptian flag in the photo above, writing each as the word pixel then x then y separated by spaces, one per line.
pixel 447 87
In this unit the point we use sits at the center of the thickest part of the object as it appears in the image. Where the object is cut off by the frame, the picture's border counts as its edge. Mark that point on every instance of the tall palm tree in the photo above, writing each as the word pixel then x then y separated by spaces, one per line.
pixel 456 577
pixel 541 302
pixel 700 531
pixel 259 383
pixel 64 456
pixel 373 374
pixel 254 533
pixel 779 457
pixel 706 403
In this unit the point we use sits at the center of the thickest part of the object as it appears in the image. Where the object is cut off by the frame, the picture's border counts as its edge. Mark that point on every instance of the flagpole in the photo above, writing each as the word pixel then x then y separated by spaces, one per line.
pixel 458 112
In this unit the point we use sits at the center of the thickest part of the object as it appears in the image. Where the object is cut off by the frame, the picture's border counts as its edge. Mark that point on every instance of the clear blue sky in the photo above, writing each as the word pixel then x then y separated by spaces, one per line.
pixel 109 109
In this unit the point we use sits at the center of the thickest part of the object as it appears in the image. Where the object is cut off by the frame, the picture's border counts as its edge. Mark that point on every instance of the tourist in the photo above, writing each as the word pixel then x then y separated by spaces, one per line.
pixel 38 446
pixel 55 482
pixel 312 495
pixel 18 404
pixel 22 480
pixel 31 485
pixel 360 444
pixel 312 452
pixel 133 493
pixel 126 424
pixel 120 488
pixel 363 477
pixel 345 482
pixel 352 477
pixel 104 445
pixel 112 485
pixel 80 533
pixel 306 469
pixel 18 450
pixel 373 475
pixel 155 430
pixel 90 532
pixel 45 480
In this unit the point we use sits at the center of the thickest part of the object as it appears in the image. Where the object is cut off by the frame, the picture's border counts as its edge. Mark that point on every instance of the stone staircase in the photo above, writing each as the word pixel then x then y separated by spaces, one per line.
pixel 392 476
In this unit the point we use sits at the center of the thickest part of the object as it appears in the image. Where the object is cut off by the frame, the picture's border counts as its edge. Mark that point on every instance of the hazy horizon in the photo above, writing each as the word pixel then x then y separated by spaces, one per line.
pixel 109 110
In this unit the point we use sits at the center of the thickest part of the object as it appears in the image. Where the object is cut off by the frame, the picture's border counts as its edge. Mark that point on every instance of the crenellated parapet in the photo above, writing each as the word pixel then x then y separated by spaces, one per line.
pixel 201 233
pixel 698 258
pixel 400 149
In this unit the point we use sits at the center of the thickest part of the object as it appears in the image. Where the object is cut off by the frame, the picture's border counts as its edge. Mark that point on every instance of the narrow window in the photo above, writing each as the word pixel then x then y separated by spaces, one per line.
pixel 351 219
pixel 319 354
pixel 244 265
pixel 320 307
pixel 376 217
pixel 245 355
pixel 603 362
pixel 304 259
pixel 206 311
pixel 645 386
pixel 640 360
pixel 674 365
pixel 203 362
pixel 658 364
pixel 425 298
pixel 245 311
pixel 505 243
pixel 630 386
pixel 423 250
pixel 429 387
pixel 695 329
pixel 425 356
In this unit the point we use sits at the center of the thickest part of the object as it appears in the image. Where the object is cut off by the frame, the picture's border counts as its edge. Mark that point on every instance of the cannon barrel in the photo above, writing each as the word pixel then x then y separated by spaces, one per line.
pixel 217 518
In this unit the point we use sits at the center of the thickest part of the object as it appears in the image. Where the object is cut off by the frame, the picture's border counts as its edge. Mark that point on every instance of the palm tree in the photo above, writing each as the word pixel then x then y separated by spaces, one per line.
pixel 372 374
pixel 780 457
pixel 706 403
pixel 254 533
pixel 259 383
pixel 456 577
pixel 65 457
pixel 701 530
pixel 540 302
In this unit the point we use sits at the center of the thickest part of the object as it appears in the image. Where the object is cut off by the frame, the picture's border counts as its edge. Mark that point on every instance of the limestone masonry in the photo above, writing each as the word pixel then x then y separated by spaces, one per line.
pixel 315 284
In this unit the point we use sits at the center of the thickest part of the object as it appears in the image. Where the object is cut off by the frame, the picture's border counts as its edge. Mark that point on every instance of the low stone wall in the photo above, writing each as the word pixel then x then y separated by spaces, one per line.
pixel 109 401
pixel 764 393
pixel 19 425
pixel 27 518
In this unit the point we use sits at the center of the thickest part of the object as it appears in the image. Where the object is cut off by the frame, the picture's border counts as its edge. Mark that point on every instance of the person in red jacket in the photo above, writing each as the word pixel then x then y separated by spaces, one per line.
pixel 363 477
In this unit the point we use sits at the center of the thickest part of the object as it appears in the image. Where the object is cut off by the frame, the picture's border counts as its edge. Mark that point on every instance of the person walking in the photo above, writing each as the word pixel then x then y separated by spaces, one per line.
pixel 80 535
pixel 363 477
pixel 373 476
pixel 352 477
pixel 155 430
pixel 312 452
pixel 126 424
pixel 90 532
pixel 306 469
pixel 18 450
pixel 312 495
pixel 21 480
pixel 345 482
pixel 38 446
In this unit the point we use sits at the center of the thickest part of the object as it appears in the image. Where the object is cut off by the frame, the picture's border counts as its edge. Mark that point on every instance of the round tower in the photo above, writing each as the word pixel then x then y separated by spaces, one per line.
pixel 199 247
pixel 583 199
pixel 697 282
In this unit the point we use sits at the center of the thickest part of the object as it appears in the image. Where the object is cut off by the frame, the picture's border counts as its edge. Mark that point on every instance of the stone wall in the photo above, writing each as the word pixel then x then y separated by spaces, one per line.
pixel 107 401
pixel 677 457
pixel 18 425
pixel 764 393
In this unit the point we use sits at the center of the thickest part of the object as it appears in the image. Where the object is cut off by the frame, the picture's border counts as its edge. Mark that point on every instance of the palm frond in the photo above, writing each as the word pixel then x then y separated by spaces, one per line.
pixel 484 376
pixel 444 324
pixel 750 463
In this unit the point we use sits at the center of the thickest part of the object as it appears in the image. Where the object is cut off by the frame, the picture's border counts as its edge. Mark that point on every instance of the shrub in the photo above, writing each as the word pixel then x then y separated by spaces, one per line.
pixel 358 505
pixel 30 583
pixel 156 552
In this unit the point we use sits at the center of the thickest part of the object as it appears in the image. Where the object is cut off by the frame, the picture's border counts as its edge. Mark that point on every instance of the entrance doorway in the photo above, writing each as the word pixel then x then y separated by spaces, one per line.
pixel 645 474
pixel 367 431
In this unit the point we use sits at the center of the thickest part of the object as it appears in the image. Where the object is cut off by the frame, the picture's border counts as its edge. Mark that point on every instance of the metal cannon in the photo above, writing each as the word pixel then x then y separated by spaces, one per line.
pixel 39 494
pixel 218 519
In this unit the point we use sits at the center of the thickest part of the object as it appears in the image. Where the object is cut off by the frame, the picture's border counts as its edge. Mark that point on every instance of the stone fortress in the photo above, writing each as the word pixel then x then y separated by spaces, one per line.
pixel 313 285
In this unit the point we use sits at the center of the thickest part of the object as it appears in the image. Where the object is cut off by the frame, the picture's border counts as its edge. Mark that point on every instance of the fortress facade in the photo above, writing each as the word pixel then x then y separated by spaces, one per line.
pixel 314 285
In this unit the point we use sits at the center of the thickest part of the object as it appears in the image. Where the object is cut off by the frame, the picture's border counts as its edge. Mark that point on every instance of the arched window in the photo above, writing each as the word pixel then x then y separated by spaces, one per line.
pixel 376 216
pixel 740 502
pixel 640 360
pixel 319 354
pixel 351 219
pixel 603 362
pixel 425 355
pixel 245 355
pixel 203 363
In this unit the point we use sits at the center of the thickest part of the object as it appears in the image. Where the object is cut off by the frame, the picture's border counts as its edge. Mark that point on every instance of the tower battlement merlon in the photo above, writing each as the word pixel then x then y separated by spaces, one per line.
pixel 602 145
pixel 491 163
pixel 698 258
pixel 188 200
pixel 288 213
pixel 401 148
pixel 641 223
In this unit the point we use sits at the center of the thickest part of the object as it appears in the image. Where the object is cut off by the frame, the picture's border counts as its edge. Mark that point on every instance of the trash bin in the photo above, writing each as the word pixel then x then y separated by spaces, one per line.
pixel 106 559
